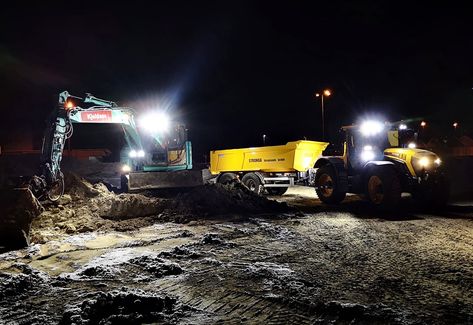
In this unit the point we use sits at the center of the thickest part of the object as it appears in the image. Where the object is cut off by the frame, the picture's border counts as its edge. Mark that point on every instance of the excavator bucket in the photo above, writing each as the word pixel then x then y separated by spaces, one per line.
pixel 18 207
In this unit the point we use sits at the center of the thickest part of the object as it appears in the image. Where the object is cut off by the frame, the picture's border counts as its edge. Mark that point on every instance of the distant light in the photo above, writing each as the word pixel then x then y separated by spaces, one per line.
pixel 438 161
pixel 126 169
pixel 369 128
pixel 411 145
pixel 402 127
pixel 455 124
pixel 317 95
pixel 423 123
pixel 327 92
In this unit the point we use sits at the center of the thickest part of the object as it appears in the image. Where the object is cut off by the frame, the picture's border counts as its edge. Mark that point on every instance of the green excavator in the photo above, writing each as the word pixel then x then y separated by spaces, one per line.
pixel 157 155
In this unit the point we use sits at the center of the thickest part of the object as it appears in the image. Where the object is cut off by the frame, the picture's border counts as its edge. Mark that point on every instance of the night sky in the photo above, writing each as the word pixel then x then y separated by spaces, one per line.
pixel 233 71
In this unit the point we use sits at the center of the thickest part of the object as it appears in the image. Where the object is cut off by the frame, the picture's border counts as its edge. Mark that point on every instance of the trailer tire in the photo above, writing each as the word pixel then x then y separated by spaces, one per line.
pixel 383 187
pixel 226 178
pixel 253 182
pixel 327 186
pixel 276 190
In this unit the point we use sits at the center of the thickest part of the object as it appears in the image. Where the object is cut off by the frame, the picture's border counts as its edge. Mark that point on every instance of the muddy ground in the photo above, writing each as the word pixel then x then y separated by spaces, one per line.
pixel 188 259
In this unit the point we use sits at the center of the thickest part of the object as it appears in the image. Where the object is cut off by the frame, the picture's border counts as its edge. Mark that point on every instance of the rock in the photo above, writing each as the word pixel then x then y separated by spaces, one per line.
pixel 65 199
pixel 70 229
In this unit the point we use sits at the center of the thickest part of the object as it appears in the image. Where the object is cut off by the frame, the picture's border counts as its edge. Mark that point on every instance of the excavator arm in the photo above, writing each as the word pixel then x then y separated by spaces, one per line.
pixel 50 181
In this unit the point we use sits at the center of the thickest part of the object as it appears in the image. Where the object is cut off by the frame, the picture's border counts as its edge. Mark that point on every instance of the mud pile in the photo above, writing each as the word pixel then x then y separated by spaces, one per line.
pixel 89 207
pixel 122 307
pixel 86 207
pixel 218 199
pixel 18 207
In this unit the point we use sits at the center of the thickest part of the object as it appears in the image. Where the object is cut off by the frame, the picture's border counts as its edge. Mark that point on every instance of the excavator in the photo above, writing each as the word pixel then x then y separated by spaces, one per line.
pixel 157 155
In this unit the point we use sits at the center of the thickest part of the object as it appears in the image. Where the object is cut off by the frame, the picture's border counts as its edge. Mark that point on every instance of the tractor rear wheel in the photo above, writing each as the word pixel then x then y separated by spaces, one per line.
pixel 383 187
pixel 253 182
pixel 327 186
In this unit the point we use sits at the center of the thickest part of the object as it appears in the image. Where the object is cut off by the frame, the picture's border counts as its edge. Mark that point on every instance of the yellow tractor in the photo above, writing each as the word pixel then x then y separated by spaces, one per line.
pixel 381 161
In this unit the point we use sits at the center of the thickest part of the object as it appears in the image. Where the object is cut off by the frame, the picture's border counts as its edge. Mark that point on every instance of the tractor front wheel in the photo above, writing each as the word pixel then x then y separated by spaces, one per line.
pixel 383 187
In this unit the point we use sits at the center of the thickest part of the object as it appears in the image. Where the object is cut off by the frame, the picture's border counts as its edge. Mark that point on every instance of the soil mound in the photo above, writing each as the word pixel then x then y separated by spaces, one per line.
pixel 121 307
pixel 89 207
pixel 218 199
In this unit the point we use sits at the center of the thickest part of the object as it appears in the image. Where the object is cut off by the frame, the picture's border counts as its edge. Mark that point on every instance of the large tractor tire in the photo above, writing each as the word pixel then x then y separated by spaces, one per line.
pixel 253 182
pixel 383 187
pixel 327 186
pixel 276 190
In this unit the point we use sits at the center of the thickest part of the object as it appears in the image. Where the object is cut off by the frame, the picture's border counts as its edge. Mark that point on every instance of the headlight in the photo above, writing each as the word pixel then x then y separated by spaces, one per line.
pixel 155 123
pixel 425 163
pixel 370 128
pixel 136 153
pixel 367 154
pixel 411 145
pixel 126 169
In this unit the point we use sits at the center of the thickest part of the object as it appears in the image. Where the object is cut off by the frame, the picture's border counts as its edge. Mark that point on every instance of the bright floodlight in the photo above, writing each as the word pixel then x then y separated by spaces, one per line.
pixel 369 128
pixel 402 127
pixel 140 153
pixel 367 154
pixel 411 145
pixel 133 154
pixel 155 123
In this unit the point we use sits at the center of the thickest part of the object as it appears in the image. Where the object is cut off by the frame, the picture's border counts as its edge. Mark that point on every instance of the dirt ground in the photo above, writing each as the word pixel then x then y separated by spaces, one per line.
pixel 199 257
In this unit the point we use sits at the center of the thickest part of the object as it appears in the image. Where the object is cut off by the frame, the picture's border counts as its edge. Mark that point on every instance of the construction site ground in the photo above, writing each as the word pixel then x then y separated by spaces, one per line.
pixel 103 258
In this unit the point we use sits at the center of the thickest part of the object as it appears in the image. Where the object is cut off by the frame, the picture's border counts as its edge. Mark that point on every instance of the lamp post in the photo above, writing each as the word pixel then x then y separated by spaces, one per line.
pixel 325 93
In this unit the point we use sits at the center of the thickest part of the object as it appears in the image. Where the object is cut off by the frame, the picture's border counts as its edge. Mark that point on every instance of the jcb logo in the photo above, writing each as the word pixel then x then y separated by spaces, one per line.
pixel 255 160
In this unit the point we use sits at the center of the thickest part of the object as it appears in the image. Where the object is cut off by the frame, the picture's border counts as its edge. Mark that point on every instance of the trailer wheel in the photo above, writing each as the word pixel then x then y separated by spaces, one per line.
pixel 383 187
pixel 327 187
pixel 226 178
pixel 276 190
pixel 253 182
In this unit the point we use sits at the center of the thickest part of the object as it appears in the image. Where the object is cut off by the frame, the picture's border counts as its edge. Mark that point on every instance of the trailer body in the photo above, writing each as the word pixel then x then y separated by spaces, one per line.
pixel 269 167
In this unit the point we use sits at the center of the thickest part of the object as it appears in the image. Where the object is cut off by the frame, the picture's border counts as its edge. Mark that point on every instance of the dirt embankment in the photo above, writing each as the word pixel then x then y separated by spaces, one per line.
pixel 89 207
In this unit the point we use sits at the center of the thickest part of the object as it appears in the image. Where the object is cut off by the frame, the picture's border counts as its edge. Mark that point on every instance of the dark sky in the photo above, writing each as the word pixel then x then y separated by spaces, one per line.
pixel 233 71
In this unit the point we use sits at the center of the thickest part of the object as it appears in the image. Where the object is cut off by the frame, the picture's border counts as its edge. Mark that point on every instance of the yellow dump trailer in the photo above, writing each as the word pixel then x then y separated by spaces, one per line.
pixel 273 168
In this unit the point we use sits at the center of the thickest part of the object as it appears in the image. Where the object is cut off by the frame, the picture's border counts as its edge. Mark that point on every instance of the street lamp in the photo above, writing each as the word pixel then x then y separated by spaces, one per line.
pixel 325 93
pixel 455 125
pixel 423 124
pixel 264 139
